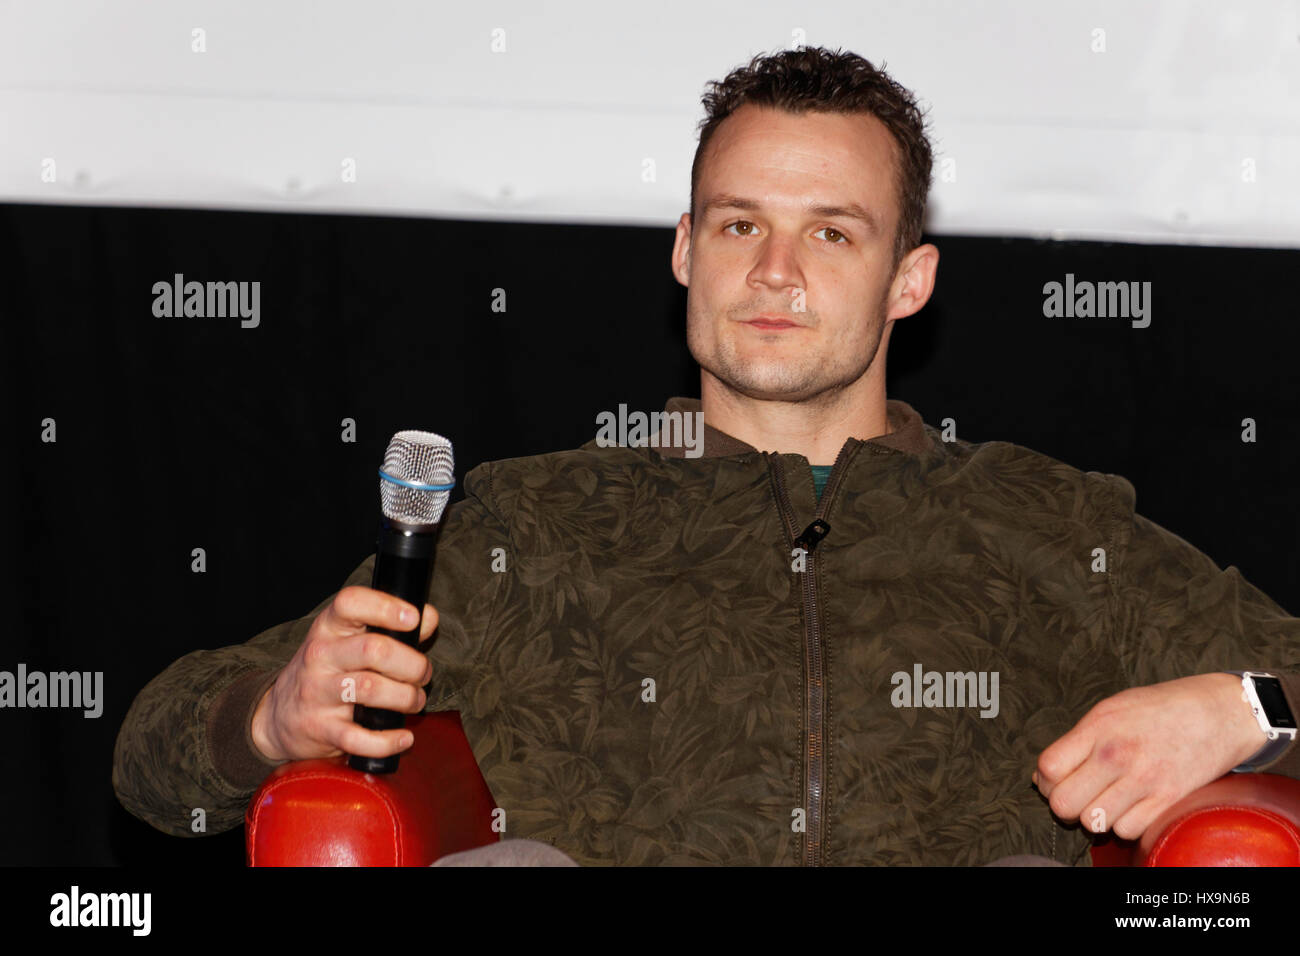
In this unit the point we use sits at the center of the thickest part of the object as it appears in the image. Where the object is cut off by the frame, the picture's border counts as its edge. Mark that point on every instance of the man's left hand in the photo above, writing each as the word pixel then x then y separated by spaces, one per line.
pixel 1138 753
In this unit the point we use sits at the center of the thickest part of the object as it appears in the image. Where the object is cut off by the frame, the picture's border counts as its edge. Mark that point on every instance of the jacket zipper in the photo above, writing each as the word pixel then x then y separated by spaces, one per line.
pixel 814 757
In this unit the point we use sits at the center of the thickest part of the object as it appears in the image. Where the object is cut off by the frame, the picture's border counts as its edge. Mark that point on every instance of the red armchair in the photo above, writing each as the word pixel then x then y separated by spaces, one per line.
pixel 323 813
pixel 1241 819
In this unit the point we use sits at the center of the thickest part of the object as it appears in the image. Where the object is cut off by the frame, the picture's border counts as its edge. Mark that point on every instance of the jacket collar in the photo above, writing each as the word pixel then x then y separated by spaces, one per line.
pixel 906 432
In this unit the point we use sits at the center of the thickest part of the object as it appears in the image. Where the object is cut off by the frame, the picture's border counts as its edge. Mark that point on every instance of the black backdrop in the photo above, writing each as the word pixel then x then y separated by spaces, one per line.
pixel 180 433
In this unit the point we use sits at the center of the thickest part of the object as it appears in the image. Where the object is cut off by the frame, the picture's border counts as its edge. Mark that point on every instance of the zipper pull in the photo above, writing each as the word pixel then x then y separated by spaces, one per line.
pixel 811 535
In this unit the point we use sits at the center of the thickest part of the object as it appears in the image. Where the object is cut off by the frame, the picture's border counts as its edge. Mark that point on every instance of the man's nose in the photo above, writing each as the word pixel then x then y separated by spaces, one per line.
pixel 778 265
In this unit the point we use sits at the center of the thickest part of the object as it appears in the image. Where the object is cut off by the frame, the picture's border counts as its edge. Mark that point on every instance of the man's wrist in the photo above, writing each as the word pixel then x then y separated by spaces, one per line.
pixel 1253 740
pixel 1266 747
pixel 261 740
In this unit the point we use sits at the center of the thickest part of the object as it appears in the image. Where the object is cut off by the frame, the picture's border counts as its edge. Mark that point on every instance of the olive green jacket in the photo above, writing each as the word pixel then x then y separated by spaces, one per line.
pixel 662 659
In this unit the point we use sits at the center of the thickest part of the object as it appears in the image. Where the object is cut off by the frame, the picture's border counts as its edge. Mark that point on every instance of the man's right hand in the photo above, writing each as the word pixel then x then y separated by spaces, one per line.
pixel 304 714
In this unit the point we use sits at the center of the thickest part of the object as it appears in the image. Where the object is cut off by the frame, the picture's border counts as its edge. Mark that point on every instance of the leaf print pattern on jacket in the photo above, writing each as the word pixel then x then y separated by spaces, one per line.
pixel 634 573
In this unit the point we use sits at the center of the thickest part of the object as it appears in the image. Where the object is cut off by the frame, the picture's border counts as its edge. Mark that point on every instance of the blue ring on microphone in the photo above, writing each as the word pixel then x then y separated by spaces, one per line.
pixel 414 484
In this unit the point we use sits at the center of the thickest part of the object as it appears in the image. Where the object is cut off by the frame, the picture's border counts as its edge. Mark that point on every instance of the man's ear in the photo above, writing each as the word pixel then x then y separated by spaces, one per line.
pixel 682 250
pixel 913 282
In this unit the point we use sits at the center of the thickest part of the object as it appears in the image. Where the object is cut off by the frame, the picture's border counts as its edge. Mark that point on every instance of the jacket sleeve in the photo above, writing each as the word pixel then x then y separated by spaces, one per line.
pixel 186 742
pixel 1178 614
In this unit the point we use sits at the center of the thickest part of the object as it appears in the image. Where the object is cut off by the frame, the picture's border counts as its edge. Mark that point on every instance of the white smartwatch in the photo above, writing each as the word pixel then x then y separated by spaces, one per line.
pixel 1268 703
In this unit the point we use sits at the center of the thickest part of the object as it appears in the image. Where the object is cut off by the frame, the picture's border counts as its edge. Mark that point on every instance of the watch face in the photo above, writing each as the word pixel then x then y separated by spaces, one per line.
pixel 1274 702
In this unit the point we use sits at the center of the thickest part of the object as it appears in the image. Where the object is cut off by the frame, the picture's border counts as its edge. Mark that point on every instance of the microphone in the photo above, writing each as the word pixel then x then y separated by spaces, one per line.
pixel 415 482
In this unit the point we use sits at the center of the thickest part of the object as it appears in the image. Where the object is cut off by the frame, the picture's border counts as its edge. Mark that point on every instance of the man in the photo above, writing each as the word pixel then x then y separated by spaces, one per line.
pixel 834 638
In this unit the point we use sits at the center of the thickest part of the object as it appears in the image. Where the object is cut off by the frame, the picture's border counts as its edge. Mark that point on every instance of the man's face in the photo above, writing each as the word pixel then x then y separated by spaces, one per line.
pixel 779 256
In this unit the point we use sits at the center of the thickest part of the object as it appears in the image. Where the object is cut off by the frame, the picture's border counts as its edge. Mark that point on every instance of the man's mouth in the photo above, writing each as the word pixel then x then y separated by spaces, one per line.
pixel 768 322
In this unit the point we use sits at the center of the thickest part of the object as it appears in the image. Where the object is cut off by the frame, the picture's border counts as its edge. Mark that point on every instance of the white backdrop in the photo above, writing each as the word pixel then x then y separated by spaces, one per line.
pixel 1161 121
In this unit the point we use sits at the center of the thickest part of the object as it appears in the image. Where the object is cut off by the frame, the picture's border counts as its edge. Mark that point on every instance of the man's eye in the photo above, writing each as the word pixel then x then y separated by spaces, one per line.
pixel 839 241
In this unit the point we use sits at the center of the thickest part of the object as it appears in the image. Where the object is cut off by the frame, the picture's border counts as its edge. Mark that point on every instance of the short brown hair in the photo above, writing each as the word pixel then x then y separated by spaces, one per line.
pixel 817 79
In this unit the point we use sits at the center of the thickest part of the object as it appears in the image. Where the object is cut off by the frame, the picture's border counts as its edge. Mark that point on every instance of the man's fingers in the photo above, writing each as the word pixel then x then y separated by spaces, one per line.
pixel 1063 757
pixel 355 739
pixel 1121 807
pixel 1133 822
pixel 1079 792
pixel 388 656
pixel 375 690
pixel 429 622
pixel 356 607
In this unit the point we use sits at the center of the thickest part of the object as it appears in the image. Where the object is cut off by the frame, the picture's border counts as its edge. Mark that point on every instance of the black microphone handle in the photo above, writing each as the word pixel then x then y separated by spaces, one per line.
pixel 403 568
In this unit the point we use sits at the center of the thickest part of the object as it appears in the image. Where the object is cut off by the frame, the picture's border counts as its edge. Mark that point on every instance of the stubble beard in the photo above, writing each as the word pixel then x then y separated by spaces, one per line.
pixel 816 377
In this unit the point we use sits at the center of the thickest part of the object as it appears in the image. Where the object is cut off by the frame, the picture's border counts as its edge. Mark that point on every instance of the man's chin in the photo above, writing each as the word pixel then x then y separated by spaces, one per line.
pixel 771 388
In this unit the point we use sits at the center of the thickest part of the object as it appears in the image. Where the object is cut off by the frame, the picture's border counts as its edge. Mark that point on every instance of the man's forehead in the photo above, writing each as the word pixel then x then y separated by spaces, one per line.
pixel 849 179
pixel 846 138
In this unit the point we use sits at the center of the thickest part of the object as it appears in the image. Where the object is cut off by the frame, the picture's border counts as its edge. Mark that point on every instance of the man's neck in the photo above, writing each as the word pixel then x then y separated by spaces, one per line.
pixel 815 429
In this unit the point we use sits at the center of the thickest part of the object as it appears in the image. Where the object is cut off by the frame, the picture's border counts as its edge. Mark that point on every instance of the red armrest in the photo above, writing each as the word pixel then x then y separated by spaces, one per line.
pixel 1241 819
pixel 324 813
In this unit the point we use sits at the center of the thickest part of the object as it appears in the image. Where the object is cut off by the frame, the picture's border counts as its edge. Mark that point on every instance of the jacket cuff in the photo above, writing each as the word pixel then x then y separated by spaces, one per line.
pixel 230 731
pixel 1287 763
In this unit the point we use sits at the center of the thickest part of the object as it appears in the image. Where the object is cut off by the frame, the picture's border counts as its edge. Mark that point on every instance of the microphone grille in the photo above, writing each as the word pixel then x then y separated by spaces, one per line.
pixel 422 459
